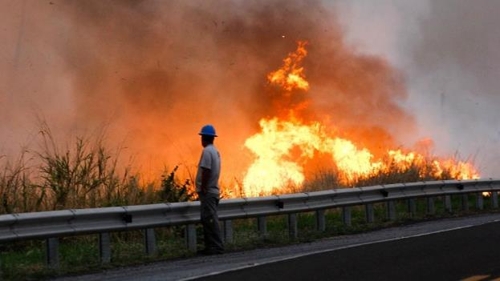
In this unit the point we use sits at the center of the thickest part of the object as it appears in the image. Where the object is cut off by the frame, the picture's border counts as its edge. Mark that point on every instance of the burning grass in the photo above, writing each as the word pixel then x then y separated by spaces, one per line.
pixel 88 175
pixel 423 169
pixel 293 152
pixel 296 139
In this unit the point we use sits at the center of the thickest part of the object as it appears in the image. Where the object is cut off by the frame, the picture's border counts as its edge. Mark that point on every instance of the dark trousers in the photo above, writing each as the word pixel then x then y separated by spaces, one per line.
pixel 210 222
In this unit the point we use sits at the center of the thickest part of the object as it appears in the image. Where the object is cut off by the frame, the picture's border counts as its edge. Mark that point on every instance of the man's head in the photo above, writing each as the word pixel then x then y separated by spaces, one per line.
pixel 207 134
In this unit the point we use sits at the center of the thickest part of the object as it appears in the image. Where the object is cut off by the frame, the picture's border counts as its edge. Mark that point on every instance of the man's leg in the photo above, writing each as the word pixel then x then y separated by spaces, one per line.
pixel 210 221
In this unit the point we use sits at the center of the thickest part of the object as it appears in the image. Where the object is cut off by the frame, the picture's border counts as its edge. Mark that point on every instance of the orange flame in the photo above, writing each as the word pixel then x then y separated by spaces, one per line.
pixel 284 147
pixel 291 75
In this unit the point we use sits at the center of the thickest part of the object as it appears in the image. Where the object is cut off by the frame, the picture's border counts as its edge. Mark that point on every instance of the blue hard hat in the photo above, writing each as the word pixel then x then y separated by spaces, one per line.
pixel 208 130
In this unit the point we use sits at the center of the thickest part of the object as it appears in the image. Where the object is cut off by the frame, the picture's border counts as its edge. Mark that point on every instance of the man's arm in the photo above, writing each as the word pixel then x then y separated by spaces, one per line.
pixel 205 177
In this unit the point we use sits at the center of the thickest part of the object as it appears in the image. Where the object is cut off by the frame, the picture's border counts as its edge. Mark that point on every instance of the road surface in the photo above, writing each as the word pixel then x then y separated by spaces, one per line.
pixel 451 249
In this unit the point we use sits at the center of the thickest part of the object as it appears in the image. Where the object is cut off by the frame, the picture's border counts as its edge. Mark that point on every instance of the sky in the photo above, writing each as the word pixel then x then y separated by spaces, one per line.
pixel 151 73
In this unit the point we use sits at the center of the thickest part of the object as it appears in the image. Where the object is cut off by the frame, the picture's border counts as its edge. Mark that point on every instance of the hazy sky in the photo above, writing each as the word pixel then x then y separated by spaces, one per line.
pixel 154 72
pixel 449 53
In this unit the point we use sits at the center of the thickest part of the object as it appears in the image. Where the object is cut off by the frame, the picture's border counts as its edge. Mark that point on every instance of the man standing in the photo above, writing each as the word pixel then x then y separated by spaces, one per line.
pixel 207 187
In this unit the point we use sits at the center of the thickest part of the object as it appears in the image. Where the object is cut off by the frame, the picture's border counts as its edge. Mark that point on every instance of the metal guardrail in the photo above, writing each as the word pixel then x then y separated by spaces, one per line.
pixel 53 224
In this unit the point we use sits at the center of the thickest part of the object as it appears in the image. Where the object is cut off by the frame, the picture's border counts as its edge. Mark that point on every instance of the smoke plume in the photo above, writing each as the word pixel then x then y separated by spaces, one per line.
pixel 456 65
pixel 154 72
pixel 448 55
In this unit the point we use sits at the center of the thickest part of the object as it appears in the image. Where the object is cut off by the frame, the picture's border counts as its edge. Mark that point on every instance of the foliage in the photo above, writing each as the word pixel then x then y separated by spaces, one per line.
pixel 18 192
pixel 85 175
pixel 414 172
pixel 174 191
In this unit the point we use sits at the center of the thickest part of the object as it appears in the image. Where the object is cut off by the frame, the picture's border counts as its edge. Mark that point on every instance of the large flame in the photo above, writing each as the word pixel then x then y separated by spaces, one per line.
pixel 287 144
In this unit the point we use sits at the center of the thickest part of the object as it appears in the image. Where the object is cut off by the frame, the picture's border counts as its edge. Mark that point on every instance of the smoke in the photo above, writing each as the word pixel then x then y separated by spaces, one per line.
pixel 30 76
pixel 456 65
pixel 154 72
pixel 449 56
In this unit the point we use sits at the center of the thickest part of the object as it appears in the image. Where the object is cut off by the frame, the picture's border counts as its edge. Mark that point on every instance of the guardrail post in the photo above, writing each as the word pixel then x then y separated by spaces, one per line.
pixel 412 207
pixel 447 203
pixel 292 226
pixel 494 199
pixel 346 216
pixel 320 220
pixel 150 242
pixel 228 231
pixel 479 201
pixel 369 213
pixel 104 248
pixel 190 233
pixel 262 226
pixel 52 252
pixel 391 210
pixel 431 210
pixel 465 202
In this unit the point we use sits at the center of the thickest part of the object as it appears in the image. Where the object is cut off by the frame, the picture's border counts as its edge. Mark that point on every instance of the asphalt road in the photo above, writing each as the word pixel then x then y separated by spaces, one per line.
pixel 452 249
pixel 471 253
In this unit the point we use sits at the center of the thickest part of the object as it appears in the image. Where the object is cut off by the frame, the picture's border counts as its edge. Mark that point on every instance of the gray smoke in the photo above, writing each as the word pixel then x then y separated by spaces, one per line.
pixel 154 72
pixel 449 53
pixel 456 64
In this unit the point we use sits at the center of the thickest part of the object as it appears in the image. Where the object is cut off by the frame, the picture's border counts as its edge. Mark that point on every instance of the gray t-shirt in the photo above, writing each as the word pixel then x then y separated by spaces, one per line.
pixel 210 159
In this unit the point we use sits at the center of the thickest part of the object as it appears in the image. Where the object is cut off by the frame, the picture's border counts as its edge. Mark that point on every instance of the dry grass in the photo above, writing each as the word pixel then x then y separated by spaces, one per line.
pixel 414 172
pixel 87 174
pixel 84 175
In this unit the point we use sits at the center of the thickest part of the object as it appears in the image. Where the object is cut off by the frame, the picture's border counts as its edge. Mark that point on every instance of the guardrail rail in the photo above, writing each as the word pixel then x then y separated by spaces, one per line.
pixel 52 225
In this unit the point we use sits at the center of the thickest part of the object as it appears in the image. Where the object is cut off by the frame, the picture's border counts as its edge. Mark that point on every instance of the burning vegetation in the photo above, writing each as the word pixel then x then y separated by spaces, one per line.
pixel 324 116
pixel 292 143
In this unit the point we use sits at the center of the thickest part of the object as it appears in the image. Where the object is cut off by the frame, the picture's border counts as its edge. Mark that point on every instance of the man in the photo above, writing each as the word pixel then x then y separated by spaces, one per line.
pixel 207 187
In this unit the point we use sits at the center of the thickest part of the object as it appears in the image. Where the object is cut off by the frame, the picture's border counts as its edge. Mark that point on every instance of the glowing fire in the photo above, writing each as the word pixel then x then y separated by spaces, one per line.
pixel 291 75
pixel 286 144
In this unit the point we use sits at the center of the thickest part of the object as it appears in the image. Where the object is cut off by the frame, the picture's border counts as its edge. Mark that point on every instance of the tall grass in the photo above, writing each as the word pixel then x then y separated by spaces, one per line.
pixel 413 172
pixel 86 174
pixel 17 190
